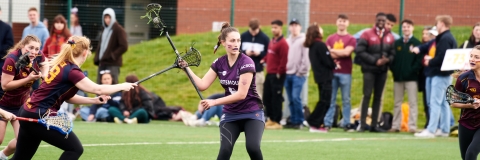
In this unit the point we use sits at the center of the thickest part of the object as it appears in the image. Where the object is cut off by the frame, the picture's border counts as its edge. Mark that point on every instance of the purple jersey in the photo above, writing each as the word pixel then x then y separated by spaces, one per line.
pixel 58 87
pixel 229 77
pixel 15 98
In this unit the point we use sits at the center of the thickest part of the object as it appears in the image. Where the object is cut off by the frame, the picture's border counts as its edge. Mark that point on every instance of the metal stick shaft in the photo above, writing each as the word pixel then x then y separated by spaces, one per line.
pixel 155 74
pixel 188 74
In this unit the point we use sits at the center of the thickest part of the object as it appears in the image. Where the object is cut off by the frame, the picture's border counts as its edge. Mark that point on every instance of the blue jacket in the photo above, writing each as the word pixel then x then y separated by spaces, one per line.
pixel 40 31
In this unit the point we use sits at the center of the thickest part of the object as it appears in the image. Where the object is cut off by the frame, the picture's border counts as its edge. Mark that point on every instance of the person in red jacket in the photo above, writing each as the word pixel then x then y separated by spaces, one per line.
pixel 59 34
pixel 276 61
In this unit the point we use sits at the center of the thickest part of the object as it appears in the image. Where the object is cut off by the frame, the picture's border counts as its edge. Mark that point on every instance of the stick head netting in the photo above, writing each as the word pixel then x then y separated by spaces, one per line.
pixel 454 96
pixel 192 57
pixel 57 121
pixel 23 61
pixel 153 15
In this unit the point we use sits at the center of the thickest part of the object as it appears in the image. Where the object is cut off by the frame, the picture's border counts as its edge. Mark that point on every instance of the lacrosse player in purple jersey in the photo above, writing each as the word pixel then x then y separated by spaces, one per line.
pixel 243 109
pixel 62 83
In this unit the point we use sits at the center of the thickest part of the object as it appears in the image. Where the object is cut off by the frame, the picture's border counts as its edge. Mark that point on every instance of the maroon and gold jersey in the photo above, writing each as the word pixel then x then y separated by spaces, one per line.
pixel 57 87
pixel 18 96
pixel 470 118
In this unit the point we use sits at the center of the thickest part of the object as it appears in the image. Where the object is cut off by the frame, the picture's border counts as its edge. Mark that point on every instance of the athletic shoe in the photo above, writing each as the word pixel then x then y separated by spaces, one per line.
pixel 425 134
pixel 269 122
pixel 131 121
pixel 305 123
pixel 199 123
pixel 439 133
pixel 275 125
pixel 317 130
pixel 283 121
pixel 118 121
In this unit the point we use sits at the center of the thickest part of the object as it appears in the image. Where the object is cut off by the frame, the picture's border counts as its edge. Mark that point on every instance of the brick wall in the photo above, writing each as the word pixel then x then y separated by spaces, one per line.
pixel 197 16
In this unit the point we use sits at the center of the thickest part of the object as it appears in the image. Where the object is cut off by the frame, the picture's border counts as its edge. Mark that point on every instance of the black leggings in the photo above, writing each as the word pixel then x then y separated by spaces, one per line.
pixel 469 142
pixel 31 134
pixel 230 131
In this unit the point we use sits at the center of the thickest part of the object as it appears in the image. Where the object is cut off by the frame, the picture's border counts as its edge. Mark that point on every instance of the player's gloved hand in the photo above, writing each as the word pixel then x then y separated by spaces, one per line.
pixel 182 64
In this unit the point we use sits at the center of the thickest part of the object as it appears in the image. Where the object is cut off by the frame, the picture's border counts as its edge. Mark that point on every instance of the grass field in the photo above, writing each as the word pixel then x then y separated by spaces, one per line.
pixel 174 87
pixel 174 141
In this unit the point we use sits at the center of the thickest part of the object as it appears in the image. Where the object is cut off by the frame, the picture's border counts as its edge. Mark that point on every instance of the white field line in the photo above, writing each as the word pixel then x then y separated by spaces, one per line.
pixel 264 141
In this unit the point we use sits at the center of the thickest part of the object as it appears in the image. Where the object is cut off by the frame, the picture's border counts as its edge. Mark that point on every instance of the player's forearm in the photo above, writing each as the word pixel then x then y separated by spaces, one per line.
pixel 107 89
pixel 237 96
pixel 461 105
pixel 81 100
pixel 14 84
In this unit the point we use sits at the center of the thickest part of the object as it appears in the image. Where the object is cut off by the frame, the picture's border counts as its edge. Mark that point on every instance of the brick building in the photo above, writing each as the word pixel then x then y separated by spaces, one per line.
pixel 197 16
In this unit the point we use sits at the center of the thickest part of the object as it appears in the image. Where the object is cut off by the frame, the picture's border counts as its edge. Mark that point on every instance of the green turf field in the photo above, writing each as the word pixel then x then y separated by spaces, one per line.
pixel 161 140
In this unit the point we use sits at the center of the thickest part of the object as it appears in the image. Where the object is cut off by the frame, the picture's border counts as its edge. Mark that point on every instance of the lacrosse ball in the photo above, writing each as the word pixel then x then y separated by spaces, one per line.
pixel 156 20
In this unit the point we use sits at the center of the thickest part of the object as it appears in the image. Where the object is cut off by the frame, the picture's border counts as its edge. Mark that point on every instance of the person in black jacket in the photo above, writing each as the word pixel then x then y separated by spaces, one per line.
pixel 254 43
pixel 322 66
pixel 376 50
pixel 135 105
pixel 437 81
pixel 6 39
pixel 474 38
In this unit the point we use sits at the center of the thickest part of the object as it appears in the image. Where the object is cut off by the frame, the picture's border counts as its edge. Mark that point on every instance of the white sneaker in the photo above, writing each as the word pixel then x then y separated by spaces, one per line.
pixel 199 123
pixel 425 134
pixel 439 133
pixel 283 121
pixel 131 121
pixel 117 120
pixel 305 123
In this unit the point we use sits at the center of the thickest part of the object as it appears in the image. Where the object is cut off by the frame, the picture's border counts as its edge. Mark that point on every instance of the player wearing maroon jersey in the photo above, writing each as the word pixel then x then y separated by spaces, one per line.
pixel 243 109
pixel 17 83
pixel 61 84
pixel 469 125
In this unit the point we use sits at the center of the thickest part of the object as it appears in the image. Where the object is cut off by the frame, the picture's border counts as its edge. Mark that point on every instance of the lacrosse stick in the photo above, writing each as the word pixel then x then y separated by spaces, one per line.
pixel 53 120
pixel 24 62
pixel 153 14
pixel 192 57
pixel 454 96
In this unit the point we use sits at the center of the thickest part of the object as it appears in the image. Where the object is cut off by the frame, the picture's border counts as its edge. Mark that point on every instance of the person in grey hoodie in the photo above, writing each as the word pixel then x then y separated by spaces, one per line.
pixel 298 66
pixel 112 45
pixel 36 28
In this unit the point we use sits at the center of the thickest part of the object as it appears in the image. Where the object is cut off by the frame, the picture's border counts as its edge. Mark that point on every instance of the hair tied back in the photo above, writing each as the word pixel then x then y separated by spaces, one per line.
pixel 72 43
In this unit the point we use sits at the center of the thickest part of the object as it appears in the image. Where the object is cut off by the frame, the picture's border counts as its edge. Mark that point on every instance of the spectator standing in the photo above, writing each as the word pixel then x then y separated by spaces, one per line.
pixel 405 69
pixel 341 45
pixel 276 61
pixel 112 45
pixel 255 45
pixel 6 39
pixel 375 49
pixel 75 26
pixel 36 28
pixel 59 35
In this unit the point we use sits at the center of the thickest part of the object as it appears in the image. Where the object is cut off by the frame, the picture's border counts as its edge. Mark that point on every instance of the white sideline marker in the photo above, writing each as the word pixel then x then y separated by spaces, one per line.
pixel 264 141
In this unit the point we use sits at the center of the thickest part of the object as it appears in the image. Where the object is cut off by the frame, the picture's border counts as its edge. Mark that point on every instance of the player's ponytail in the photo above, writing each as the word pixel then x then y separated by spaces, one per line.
pixel 23 42
pixel 226 29
pixel 74 47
